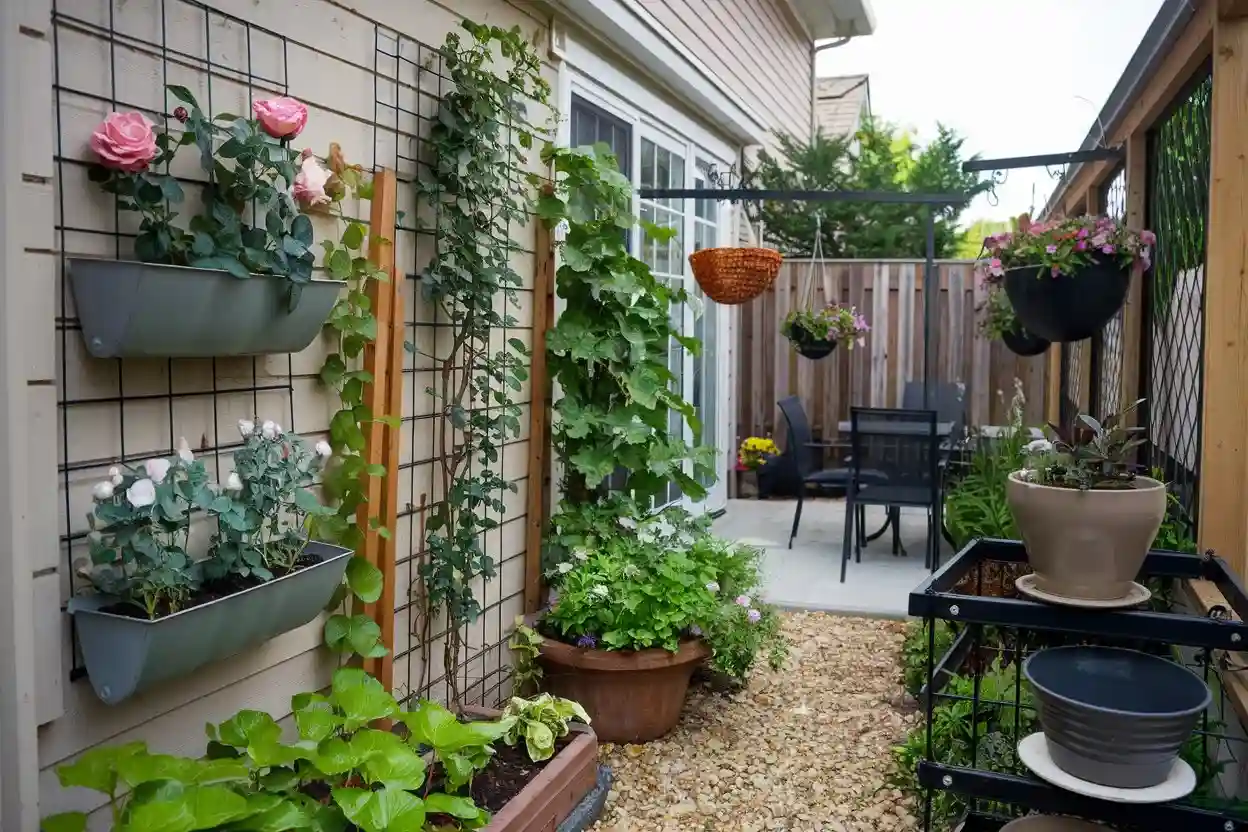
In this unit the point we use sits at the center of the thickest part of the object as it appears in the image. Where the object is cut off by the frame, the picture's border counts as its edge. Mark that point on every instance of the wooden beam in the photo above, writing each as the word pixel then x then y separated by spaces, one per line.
pixel 1203 597
pixel 1133 312
pixel 1232 9
pixel 539 419
pixel 1193 48
pixel 383 357
pixel 1224 440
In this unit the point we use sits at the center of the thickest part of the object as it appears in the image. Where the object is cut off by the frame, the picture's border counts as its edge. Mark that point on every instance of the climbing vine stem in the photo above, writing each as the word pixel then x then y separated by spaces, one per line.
pixel 479 188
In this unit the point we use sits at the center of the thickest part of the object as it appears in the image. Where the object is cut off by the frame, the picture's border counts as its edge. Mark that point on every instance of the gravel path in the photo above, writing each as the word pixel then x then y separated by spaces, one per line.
pixel 802 750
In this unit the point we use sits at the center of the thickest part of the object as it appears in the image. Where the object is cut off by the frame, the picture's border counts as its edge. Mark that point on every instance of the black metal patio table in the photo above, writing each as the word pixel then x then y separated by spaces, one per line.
pixel 892 519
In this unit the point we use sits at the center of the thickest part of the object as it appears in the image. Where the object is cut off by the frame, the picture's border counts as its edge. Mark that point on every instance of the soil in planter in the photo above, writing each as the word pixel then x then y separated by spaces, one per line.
pixel 506 775
pixel 213 591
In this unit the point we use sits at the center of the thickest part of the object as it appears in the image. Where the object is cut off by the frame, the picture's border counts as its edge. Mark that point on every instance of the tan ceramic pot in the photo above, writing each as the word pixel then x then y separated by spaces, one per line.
pixel 1086 545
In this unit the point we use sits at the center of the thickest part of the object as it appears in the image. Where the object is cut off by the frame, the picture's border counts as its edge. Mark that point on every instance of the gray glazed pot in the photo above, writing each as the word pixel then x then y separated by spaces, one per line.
pixel 1112 716
pixel 148 310
pixel 124 655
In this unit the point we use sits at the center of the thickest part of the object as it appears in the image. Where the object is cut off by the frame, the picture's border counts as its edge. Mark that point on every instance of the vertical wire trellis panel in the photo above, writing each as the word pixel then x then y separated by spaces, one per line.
pixel 1173 319
pixel 113 411
pixel 412 80
pixel 1105 385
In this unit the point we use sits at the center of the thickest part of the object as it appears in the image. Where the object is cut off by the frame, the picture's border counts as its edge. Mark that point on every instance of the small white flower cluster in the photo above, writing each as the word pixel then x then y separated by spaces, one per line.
pixel 272 430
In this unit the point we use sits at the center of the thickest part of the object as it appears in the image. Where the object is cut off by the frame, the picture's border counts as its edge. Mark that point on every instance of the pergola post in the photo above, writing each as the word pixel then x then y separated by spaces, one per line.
pixel 1223 519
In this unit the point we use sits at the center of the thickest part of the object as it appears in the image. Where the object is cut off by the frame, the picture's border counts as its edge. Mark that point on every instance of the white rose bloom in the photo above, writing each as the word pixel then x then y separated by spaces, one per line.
pixel 323 449
pixel 114 475
pixel 278 428
pixel 246 427
pixel 102 490
pixel 233 482
pixel 269 430
pixel 156 469
pixel 184 451
pixel 141 493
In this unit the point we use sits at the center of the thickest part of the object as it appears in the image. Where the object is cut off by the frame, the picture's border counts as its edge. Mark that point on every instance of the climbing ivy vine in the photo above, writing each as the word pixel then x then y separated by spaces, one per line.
pixel 609 349
pixel 480 190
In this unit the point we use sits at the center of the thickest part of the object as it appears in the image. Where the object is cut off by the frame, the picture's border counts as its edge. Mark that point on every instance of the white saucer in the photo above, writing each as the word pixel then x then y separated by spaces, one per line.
pixel 1138 595
pixel 1052 823
pixel 1034 752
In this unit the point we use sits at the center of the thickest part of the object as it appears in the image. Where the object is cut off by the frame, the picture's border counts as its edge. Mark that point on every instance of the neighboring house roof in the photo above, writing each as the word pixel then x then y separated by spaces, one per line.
pixel 841 103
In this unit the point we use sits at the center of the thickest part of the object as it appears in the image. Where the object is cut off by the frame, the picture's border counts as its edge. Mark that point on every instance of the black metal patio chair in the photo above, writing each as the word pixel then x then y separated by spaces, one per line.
pixel 803 447
pixel 893 466
pixel 949 402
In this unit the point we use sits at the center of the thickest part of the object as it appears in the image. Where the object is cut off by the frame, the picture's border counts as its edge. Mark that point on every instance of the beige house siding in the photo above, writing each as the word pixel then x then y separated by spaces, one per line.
pixel 136 408
pixel 755 48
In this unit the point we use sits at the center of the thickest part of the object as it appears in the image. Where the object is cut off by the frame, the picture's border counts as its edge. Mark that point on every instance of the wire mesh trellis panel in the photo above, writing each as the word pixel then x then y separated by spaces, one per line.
pixel 1173 320
pixel 1073 381
pixel 1105 387
pixel 120 57
pixel 411 80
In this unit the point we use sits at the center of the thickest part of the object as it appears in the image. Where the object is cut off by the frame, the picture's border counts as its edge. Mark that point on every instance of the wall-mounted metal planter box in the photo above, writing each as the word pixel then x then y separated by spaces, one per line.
pixel 124 655
pixel 148 310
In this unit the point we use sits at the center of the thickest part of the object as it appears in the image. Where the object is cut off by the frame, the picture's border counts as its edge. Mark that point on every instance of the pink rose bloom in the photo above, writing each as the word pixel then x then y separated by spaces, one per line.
pixel 281 118
pixel 309 190
pixel 125 141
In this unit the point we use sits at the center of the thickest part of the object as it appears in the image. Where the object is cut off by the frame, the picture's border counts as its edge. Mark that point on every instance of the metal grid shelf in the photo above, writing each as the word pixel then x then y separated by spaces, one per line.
pixel 1036 794
pixel 990 786
pixel 937 598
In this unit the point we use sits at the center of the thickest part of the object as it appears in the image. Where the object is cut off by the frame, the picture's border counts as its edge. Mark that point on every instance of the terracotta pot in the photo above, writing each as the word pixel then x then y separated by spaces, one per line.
pixel 1086 545
pixel 631 696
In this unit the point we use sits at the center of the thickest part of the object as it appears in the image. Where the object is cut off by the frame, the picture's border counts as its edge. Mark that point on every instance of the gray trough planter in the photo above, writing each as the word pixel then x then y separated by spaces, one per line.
pixel 124 655
pixel 148 310
pixel 1114 717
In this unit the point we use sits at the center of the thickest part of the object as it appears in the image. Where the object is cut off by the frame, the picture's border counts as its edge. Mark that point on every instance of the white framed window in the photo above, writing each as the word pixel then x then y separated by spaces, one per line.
pixel 658 148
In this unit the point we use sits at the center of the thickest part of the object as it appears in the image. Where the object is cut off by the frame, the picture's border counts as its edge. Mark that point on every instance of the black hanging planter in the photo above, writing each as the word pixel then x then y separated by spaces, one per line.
pixel 1021 342
pixel 812 348
pixel 1069 307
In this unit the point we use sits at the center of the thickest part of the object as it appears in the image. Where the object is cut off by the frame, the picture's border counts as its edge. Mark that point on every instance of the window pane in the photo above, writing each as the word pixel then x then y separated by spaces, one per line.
pixel 647 163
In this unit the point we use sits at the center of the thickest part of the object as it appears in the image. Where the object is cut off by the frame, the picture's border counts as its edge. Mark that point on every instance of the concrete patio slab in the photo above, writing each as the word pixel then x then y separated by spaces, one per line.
pixel 807 577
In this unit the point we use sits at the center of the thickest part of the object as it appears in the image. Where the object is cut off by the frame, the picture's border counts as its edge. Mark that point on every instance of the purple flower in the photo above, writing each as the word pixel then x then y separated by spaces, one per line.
pixel 1148 238
pixel 1107 249
pixel 695 631
pixel 1055 271
pixel 743 600
pixel 1083 232
pixel 1051 249
pixel 1082 245
pixel 995 268
pixel 587 642
pixel 754 616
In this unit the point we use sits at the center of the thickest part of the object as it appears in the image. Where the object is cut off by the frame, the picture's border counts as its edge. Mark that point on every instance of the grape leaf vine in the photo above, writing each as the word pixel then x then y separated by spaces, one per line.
pixel 609 349
pixel 477 183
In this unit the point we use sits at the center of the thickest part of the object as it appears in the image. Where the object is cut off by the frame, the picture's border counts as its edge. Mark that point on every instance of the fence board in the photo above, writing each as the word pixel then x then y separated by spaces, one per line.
pixel 890 294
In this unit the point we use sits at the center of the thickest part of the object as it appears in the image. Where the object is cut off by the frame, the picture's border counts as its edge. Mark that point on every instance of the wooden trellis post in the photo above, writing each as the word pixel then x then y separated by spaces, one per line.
pixel 539 421
pixel 383 358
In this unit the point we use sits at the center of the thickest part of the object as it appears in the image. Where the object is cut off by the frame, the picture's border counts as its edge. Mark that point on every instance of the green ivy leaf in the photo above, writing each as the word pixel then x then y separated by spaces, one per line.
pixel 64 822
pixel 386 810
pixel 365 579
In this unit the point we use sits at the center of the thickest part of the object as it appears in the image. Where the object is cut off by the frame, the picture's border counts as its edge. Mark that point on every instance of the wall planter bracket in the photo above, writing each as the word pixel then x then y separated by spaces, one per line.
pixel 124 655
pixel 148 310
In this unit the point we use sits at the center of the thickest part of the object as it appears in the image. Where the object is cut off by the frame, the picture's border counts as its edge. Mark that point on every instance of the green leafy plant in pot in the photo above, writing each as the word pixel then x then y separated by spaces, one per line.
pixel 1066 278
pixel 815 333
pixel 1086 518
pixel 998 322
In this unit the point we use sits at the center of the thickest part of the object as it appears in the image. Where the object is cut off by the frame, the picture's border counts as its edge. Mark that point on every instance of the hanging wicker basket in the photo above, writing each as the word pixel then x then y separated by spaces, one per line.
pixel 735 275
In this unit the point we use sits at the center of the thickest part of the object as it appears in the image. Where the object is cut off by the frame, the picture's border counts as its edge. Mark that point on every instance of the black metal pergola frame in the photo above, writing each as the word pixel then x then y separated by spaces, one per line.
pixel 929 203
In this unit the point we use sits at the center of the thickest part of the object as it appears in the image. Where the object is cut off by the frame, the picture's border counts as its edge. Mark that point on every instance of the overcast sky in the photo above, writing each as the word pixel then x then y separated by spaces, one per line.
pixel 1016 78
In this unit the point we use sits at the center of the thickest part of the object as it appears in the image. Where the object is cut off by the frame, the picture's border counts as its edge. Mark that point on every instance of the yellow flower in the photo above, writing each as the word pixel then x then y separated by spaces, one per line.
pixel 755 450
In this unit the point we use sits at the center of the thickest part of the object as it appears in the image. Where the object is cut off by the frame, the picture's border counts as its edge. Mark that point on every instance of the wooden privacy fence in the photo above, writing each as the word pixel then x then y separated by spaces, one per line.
pixel 890 294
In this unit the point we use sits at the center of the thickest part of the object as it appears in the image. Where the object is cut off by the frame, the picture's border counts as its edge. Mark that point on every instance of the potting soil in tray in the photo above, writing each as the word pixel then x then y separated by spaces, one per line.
pixel 508 772
pixel 214 590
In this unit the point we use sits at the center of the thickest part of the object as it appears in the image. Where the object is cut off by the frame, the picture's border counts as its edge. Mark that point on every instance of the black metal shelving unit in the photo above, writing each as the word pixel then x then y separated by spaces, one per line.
pixel 956 594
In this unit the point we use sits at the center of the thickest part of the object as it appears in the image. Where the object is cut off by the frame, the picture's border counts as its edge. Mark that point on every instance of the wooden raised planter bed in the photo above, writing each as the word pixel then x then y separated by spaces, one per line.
pixel 557 790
